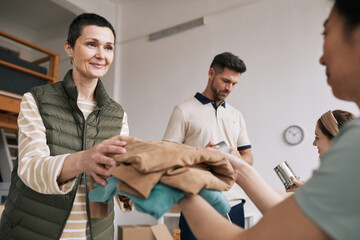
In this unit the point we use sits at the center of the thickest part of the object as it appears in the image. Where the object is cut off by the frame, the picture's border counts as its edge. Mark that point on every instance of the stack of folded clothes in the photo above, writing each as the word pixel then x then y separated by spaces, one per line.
pixel 156 174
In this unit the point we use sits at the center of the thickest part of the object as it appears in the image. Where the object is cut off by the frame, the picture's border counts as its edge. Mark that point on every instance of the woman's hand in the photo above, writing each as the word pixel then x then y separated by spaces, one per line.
pixel 260 193
pixel 232 150
pixel 297 183
pixel 94 161
pixel 236 162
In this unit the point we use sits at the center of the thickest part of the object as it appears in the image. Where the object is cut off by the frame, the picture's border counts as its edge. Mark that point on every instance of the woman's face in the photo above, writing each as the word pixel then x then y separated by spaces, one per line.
pixel 341 57
pixel 321 141
pixel 93 52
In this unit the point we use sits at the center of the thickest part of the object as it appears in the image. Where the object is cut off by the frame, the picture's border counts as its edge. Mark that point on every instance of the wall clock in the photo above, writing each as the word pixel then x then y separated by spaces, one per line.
pixel 294 135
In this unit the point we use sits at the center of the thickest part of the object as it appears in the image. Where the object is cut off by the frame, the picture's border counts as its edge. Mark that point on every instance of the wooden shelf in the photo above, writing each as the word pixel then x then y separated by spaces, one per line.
pixel 10 102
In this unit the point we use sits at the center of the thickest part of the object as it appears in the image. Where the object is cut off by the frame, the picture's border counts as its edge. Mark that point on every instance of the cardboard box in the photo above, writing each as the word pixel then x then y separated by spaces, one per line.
pixel 161 232
pixel 176 233
pixel 144 232
pixel 175 209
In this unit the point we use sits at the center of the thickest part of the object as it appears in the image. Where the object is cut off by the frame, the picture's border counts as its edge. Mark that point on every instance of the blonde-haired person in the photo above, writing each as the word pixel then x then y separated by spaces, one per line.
pixel 327 127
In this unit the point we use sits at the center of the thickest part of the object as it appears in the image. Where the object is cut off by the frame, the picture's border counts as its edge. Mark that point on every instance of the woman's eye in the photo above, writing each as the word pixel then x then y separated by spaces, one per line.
pixel 91 44
pixel 109 47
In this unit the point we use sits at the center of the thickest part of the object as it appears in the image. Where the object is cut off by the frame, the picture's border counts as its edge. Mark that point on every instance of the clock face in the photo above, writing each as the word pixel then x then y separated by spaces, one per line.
pixel 294 135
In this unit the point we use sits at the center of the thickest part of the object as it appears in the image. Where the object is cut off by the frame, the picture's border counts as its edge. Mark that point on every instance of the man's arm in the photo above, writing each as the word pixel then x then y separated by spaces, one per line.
pixel 284 221
pixel 247 156
pixel 243 142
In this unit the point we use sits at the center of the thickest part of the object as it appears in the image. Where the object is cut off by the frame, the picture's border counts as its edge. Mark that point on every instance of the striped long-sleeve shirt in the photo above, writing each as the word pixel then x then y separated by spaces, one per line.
pixel 39 171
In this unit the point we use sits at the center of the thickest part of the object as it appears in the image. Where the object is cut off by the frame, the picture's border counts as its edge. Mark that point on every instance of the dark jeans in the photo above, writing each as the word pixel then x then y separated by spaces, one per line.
pixel 236 215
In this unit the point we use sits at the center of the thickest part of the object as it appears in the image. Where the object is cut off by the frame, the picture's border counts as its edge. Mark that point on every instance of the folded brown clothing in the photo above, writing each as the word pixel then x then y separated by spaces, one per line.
pixel 187 168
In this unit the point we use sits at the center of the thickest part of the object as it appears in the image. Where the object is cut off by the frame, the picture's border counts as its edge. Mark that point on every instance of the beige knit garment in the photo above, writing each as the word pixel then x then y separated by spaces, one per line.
pixel 187 168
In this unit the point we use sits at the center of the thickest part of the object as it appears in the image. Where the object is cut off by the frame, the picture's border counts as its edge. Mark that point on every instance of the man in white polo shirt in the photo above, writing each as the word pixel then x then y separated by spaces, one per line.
pixel 207 119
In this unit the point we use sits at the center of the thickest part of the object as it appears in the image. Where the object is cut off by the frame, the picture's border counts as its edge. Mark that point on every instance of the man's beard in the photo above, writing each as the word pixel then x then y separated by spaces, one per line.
pixel 217 93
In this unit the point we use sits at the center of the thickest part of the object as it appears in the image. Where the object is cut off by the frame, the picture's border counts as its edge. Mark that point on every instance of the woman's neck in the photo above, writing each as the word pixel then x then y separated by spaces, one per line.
pixel 85 86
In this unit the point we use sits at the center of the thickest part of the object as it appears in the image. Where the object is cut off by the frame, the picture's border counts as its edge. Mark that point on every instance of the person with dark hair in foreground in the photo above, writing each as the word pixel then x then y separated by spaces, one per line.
pixel 327 206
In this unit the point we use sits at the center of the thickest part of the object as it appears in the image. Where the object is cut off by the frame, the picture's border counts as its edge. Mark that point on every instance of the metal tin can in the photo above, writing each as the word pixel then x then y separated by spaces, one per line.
pixel 223 147
pixel 284 172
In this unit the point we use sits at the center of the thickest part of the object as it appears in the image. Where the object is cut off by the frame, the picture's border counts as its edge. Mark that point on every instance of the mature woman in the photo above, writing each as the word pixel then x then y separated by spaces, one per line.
pixel 327 206
pixel 62 132
pixel 327 127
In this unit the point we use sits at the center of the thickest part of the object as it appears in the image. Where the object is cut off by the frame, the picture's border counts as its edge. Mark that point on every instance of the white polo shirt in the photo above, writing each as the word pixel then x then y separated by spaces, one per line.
pixel 198 121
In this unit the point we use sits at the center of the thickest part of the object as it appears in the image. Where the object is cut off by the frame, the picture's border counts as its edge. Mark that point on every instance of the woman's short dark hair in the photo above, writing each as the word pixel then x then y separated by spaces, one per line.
pixel 83 20
pixel 350 10
pixel 227 60
pixel 342 117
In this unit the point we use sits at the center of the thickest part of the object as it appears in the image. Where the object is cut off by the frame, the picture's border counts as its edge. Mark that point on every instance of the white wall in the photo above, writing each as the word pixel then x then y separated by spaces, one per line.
pixel 279 40
pixel 18 31
pixel 110 11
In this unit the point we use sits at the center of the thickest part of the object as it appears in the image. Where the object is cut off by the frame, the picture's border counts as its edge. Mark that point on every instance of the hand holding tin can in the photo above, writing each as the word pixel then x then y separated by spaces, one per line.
pixel 284 172
pixel 223 147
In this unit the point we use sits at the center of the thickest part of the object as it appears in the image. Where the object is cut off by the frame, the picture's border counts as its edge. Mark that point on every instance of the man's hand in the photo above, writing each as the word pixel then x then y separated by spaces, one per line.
pixel 235 152
pixel 212 145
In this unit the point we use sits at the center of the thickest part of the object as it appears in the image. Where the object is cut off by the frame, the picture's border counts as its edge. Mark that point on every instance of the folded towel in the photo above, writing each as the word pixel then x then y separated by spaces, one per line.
pixel 160 200
pixel 104 193
pixel 217 200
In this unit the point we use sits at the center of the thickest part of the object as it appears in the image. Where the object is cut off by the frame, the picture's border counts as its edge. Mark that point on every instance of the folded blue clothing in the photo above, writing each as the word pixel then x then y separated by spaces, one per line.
pixel 160 200
pixel 104 193
pixel 217 200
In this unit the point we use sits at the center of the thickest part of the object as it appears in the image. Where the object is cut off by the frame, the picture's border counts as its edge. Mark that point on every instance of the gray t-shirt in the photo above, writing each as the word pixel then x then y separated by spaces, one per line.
pixel 331 198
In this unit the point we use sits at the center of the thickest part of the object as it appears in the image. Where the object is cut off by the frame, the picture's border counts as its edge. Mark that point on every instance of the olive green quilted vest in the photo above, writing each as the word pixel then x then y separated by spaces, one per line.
pixel 31 215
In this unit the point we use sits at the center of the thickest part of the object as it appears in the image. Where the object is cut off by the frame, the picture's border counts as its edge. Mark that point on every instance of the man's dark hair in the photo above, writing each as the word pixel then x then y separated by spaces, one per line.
pixel 350 10
pixel 227 60
pixel 83 20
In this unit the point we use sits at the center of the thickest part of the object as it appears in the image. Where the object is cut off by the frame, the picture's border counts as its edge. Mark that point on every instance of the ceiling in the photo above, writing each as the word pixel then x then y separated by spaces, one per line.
pixel 32 14
pixel 123 2
pixel 38 15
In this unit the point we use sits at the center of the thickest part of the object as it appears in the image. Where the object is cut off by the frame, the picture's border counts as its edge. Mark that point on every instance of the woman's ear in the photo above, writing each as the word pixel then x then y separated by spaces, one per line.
pixel 68 49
